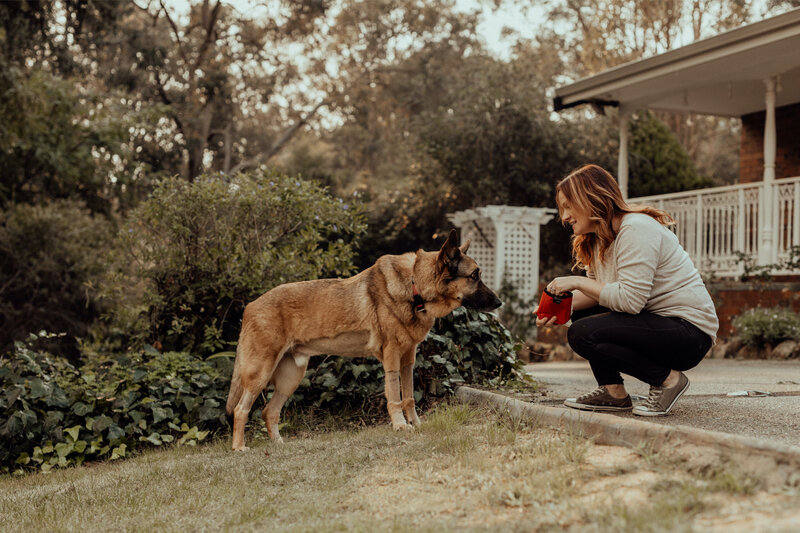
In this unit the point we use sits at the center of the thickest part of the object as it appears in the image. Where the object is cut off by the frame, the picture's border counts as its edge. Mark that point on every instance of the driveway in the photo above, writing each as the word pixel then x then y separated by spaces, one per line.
pixel 706 405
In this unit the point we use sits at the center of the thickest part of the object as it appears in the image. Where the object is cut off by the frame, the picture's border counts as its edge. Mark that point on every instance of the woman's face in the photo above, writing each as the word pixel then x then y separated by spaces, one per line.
pixel 574 216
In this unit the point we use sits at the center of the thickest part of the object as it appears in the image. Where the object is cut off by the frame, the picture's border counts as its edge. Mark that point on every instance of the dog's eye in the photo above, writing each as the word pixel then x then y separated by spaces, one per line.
pixel 476 275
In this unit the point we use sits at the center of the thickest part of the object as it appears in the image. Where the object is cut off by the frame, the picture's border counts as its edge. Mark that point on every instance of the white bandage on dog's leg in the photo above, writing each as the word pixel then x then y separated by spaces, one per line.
pixel 393 403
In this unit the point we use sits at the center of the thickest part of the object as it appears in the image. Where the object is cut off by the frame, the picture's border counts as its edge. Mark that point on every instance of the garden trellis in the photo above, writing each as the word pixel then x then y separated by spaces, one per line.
pixel 505 243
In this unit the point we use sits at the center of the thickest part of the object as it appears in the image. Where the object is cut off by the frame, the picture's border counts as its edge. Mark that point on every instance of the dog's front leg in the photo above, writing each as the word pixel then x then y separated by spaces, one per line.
pixel 393 403
pixel 407 389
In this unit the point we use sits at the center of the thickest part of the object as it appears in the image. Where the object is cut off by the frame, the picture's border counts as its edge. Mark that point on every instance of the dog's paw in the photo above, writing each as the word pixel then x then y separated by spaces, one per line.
pixel 402 427
pixel 241 449
pixel 414 420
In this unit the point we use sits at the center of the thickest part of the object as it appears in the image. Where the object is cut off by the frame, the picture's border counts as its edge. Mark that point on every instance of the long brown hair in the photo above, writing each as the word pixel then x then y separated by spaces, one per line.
pixel 593 190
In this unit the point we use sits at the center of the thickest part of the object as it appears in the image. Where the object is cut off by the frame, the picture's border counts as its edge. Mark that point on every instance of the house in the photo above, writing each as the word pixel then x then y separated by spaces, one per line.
pixel 752 72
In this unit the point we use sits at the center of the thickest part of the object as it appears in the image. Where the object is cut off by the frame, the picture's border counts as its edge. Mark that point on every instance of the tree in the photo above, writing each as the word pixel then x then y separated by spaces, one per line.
pixel 658 163
pixel 603 34
pixel 61 140
pixel 239 86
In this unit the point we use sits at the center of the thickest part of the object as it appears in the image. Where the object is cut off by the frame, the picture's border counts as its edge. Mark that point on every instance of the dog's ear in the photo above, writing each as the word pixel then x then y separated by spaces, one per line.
pixel 464 247
pixel 450 253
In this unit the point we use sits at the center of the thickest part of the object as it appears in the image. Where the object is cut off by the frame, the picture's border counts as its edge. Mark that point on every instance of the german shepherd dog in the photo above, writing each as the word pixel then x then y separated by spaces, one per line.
pixel 384 311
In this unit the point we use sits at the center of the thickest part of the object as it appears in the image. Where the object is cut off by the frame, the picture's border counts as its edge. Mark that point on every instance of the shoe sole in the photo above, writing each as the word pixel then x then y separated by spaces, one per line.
pixel 586 407
pixel 669 408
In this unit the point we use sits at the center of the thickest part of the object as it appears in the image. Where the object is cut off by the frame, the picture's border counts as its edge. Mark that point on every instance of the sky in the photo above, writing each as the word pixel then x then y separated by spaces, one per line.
pixel 490 29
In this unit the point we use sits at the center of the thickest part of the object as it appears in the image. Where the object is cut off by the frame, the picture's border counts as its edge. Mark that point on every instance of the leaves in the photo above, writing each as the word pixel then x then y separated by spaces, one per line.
pixel 64 416
pixel 202 250
pixel 60 416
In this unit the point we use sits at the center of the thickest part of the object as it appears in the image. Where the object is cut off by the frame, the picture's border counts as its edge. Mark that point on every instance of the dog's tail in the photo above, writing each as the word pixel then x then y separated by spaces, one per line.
pixel 235 391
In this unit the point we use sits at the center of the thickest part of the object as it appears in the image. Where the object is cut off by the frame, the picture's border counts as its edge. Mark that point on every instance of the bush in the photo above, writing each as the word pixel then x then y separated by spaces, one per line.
pixel 759 327
pixel 57 415
pixel 199 252
pixel 49 256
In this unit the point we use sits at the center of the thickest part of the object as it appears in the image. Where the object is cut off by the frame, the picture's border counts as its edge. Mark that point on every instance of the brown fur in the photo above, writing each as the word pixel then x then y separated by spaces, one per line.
pixel 369 314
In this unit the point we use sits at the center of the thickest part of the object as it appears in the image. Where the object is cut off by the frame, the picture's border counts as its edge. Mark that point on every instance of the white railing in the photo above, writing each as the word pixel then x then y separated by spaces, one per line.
pixel 716 225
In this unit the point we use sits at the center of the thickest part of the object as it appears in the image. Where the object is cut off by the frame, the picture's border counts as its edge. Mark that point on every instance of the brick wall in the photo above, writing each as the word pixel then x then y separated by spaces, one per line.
pixel 734 298
pixel 751 150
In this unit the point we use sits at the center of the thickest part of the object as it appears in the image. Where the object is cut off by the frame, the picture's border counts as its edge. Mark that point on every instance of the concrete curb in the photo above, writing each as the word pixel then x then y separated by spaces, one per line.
pixel 773 462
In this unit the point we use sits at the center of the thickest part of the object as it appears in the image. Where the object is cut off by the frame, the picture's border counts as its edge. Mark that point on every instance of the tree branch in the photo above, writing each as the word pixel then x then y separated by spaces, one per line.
pixel 209 27
pixel 280 143
pixel 176 32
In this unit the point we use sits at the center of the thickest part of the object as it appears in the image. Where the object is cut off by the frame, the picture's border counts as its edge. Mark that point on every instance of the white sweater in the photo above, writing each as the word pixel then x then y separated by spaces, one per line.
pixel 646 269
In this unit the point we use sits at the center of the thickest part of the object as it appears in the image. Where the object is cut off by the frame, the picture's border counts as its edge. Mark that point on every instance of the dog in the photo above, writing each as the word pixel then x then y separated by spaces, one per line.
pixel 384 311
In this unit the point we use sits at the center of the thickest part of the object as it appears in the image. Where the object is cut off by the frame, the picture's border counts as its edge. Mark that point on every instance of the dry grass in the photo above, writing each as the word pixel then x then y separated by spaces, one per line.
pixel 465 469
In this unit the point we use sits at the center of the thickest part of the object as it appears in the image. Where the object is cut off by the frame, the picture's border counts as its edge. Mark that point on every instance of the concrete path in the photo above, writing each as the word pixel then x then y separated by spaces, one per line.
pixel 705 405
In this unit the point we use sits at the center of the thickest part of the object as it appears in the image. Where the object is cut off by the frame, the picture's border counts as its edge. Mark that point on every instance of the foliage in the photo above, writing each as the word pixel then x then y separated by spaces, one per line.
pixel 49 256
pixel 750 270
pixel 61 140
pixel 516 313
pixel 658 163
pixel 760 326
pixel 55 414
pixel 199 252
pixel 485 137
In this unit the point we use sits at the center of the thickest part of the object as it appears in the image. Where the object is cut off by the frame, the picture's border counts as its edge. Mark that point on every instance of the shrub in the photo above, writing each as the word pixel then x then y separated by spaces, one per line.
pixel 199 252
pixel 57 414
pixel 49 255
pixel 516 313
pixel 758 327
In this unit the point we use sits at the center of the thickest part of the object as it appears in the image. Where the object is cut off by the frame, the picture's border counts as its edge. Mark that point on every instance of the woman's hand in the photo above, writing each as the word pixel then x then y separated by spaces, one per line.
pixel 544 322
pixel 565 284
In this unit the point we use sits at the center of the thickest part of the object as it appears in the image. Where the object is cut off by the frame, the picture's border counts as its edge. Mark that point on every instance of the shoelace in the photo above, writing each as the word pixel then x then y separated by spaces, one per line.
pixel 599 391
pixel 653 398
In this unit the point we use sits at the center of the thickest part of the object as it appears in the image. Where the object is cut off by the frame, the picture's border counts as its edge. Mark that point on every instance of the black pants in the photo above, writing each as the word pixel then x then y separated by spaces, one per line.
pixel 645 346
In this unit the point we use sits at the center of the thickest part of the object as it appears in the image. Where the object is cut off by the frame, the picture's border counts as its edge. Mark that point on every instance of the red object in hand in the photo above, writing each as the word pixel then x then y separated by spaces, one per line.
pixel 557 305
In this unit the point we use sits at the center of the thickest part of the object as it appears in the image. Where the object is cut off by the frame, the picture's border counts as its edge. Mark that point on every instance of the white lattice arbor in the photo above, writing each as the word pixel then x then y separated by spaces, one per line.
pixel 505 243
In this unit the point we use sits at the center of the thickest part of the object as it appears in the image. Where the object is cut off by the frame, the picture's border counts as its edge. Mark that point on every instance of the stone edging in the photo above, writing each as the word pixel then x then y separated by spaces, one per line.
pixel 772 462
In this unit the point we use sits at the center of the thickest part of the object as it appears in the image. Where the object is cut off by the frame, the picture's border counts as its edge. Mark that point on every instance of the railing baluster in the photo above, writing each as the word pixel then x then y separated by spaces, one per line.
pixel 740 225
pixel 796 217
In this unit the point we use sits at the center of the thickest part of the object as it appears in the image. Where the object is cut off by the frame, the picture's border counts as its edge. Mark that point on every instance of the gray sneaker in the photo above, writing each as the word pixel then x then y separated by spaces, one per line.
pixel 661 399
pixel 600 400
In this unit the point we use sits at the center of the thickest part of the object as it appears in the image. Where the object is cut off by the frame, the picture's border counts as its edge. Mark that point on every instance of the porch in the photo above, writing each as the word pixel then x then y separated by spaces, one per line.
pixel 723 227
pixel 753 73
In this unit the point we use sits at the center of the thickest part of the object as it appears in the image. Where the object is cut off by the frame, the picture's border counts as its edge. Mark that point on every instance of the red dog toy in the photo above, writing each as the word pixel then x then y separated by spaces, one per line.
pixel 557 305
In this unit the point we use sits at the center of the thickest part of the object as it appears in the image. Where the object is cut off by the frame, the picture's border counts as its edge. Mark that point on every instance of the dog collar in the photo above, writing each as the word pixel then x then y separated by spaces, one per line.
pixel 419 303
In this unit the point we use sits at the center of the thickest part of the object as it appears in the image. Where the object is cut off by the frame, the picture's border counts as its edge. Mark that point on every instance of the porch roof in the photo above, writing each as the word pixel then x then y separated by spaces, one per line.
pixel 721 75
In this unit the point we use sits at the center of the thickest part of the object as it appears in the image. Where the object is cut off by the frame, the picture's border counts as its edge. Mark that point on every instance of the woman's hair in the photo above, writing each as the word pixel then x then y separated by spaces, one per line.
pixel 593 190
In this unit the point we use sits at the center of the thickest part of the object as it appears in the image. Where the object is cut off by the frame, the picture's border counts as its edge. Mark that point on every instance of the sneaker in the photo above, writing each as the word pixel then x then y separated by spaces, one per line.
pixel 661 399
pixel 600 400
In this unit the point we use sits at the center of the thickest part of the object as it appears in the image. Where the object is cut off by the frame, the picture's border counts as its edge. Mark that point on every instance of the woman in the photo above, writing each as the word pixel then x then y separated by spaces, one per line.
pixel 642 308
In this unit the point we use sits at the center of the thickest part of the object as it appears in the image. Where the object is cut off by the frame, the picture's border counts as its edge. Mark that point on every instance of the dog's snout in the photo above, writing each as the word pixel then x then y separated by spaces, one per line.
pixel 484 300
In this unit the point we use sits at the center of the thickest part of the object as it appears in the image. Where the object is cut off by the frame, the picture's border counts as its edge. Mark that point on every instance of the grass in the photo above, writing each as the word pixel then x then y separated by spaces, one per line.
pixel 464 469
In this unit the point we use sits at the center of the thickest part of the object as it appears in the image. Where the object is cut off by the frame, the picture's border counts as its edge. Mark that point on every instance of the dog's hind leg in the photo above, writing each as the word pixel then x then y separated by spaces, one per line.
pixel 256 371
pixel 407 388
pixel 286 377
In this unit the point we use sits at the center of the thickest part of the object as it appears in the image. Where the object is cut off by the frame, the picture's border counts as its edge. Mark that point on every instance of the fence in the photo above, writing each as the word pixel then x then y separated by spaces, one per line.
pixel 716 225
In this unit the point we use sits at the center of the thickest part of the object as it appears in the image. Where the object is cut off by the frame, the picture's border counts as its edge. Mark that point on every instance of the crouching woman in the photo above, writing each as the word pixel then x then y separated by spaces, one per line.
pixel 642 308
